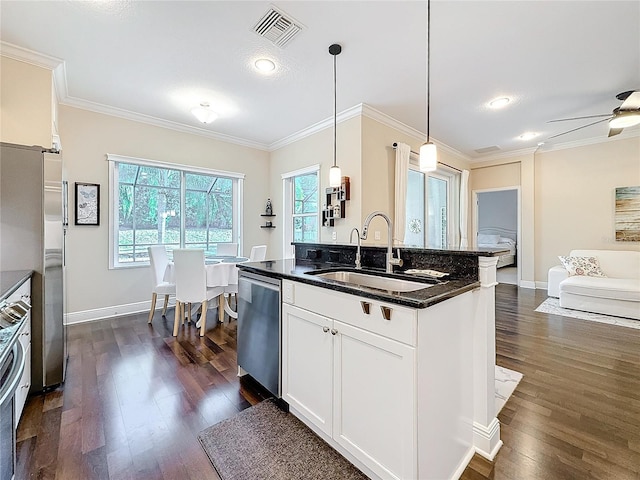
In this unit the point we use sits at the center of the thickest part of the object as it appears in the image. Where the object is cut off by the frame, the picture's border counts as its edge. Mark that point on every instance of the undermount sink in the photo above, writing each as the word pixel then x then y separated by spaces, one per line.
pixel 373 280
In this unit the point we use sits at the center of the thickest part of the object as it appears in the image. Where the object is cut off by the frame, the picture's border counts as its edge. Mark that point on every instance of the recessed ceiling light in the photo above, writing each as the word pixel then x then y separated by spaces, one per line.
pixel 528 135
pixel 499 102
pixel 265 65
pixel 204 113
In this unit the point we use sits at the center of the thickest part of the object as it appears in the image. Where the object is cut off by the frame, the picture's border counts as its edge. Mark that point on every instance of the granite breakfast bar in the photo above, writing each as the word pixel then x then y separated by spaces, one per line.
pixel 399 382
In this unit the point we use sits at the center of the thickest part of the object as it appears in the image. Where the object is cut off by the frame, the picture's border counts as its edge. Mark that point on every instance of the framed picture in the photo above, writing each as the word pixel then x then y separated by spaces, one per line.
pixel 627 214
pixel 87 204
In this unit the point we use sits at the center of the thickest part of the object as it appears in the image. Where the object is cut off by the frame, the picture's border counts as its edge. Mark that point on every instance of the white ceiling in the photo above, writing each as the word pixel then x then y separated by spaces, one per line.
pixel 158 59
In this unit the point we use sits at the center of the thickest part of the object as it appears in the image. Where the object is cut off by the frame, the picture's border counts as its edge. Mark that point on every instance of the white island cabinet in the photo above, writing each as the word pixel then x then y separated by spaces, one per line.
pixel 394 395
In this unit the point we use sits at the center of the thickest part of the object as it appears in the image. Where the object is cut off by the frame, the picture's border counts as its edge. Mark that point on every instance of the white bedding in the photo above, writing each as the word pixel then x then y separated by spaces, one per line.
pixel 505 246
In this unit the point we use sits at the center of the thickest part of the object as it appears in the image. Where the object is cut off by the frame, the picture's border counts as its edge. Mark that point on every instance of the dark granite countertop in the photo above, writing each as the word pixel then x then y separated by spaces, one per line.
pixel 9 282
pixel 479 252
pixel 434 291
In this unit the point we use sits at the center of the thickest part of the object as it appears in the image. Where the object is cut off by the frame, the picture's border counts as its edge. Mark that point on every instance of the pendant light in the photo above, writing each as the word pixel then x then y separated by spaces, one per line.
pixel 334 172
pixel 428 152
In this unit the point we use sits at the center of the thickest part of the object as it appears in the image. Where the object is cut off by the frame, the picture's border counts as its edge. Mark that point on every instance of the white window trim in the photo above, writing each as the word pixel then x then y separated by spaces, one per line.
pixel 237 231
pixel 289 250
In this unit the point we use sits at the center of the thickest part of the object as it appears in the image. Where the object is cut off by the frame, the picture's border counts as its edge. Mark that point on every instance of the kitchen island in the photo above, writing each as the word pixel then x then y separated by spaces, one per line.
pixel 400 383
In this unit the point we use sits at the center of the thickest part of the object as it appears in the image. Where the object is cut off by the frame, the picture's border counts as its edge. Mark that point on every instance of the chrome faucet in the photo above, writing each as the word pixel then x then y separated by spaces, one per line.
pixel 365 228
pixel 354 229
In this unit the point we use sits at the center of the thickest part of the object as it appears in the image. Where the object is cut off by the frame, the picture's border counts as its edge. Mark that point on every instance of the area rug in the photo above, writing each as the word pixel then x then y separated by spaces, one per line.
pixel 265 443
pixel 506 382
pixel 551 305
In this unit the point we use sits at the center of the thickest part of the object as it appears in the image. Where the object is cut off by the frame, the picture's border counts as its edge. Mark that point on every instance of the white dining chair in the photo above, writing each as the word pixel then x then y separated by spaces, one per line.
pixel 159 261
pixel 191 285
pixel 227 249
pixel 258 253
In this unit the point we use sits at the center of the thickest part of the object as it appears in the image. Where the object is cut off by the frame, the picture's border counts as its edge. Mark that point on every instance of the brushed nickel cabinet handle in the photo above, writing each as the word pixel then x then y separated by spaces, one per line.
pixel 365 307
pixel 325 329
pixel 386 312
pixel 333 331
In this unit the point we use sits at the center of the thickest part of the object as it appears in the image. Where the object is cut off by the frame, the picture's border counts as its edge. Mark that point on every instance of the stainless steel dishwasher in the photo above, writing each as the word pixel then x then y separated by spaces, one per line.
pixel 259 329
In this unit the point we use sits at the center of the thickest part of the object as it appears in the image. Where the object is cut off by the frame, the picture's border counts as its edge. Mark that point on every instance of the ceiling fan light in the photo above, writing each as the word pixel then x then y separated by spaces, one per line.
pixel 625 120
pixel 428 157
pixel 335 176
pixel 204 113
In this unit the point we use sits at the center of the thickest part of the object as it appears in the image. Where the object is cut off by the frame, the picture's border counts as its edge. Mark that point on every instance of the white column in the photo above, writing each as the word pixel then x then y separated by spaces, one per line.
pixel 486 428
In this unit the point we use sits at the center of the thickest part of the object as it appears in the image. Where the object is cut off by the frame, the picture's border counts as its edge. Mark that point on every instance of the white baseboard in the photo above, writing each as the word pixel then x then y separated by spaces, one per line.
pixel 486 439
pixel 109 312
pixel 542 285
pixel 464 463
pixel 527 284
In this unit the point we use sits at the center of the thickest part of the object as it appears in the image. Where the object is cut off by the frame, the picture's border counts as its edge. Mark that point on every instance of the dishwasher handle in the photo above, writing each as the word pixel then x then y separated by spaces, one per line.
pixel 266 282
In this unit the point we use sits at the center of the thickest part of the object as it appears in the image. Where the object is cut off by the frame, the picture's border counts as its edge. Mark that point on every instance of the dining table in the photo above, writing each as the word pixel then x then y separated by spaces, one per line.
pixel 221 271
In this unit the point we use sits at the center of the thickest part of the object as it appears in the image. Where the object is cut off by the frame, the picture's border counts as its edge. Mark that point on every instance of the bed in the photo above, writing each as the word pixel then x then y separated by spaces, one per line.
pixel 496 237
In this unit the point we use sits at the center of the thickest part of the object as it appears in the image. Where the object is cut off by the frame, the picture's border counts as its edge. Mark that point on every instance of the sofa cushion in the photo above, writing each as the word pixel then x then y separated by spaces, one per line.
pixel 614 263
pixel 603 287
pixel 588 266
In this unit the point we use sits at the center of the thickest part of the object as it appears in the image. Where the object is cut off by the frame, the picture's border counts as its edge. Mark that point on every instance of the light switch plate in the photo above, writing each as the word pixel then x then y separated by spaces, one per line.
pixel 287 292
pixel 376 235
pixel 334 235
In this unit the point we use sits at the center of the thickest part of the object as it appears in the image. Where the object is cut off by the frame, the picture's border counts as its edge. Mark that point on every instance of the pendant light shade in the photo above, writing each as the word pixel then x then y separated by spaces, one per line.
pixel 428 157
pixel 428 151
pixel 204 113
pixel 334 173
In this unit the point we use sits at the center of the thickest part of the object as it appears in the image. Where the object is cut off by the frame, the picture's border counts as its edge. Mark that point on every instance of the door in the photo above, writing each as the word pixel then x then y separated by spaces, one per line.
pixel 374 407
pixel 307 365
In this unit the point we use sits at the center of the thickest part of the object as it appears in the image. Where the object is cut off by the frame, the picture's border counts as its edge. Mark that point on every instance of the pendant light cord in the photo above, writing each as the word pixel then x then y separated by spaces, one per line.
pixel 335 112
pixel 428 64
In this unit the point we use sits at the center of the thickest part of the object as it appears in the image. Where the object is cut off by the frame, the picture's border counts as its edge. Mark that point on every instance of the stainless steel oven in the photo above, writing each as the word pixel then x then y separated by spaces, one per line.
pixel 259 329
pixel 10 373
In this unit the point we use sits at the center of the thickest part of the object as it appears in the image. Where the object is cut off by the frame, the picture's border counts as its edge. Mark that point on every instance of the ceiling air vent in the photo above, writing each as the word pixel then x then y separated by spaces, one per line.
pixel 491 149
pixel 277 28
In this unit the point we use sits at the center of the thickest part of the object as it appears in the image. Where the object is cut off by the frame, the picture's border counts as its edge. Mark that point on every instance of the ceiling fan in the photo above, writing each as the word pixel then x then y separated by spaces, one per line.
pixel 626 115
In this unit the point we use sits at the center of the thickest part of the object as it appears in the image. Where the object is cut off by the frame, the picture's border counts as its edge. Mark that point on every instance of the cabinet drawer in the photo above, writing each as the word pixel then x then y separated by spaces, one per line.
pixel 350 309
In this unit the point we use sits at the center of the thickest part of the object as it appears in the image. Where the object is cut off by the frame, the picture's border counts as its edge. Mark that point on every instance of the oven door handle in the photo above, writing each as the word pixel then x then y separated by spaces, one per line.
pixel 11 385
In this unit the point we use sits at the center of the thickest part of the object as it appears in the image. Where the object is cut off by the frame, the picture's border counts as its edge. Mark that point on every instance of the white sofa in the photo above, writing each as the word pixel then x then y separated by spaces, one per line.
pixel 616 294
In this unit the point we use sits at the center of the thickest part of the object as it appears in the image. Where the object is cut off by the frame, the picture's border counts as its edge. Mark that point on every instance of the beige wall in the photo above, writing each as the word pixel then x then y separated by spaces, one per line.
pixel 567 199
pixel 317 149
pixel 25 103
pixel 575 198
pixel 86 138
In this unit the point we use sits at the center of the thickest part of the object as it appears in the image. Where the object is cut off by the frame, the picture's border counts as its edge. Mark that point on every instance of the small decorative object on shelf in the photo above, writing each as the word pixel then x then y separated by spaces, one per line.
pixel 268 213
pixel 332 210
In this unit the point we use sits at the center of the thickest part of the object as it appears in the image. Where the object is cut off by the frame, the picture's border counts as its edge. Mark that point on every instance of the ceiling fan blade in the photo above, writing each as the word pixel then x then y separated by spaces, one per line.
pixel 614 131
pixel 579 128
pixel 632 102
pixel 579 118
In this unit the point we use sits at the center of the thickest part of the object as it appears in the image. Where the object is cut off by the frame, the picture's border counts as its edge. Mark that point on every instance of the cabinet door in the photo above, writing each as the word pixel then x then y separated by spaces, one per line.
pixel 307 365
pixel 374 401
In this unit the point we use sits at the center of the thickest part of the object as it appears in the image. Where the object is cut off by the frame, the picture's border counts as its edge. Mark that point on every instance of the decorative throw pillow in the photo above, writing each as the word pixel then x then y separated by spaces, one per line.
pixel 588 266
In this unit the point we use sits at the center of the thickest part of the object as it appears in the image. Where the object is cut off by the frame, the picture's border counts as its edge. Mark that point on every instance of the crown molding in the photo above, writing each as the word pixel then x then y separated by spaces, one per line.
pixel 317 127
pixel 158 122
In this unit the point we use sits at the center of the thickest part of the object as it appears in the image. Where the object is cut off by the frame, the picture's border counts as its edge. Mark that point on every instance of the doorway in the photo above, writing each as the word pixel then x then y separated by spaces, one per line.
pixel 496 224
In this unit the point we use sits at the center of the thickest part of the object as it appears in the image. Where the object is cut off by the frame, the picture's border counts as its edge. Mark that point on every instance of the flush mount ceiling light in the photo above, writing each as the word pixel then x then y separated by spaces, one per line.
pixel 428 151
pixel 265 65
pixel 335 173
pixel 204 113
pixel 528 135
pixel 499 102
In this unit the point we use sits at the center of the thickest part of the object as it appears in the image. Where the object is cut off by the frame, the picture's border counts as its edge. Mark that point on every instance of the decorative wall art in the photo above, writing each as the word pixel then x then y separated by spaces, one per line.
pixel 627 220
pixel 87 204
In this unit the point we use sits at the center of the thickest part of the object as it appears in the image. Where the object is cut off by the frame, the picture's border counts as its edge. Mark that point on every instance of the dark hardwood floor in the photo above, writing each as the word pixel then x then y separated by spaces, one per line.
pixel 135 399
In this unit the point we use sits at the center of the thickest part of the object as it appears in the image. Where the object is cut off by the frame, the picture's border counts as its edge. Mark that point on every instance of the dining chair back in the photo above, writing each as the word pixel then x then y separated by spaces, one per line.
pixel 227 249
pixel 191 284
pixel 258 253
pixel 159 261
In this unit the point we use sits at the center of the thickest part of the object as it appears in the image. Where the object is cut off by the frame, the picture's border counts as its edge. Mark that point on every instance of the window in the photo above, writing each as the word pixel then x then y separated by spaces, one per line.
pixel 432 208
pixel 301 194
pixel 156 203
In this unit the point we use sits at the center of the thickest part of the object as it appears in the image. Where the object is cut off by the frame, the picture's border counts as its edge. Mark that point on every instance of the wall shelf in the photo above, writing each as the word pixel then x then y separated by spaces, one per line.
pixel 267 223
pixel 267 226
pixel 335 206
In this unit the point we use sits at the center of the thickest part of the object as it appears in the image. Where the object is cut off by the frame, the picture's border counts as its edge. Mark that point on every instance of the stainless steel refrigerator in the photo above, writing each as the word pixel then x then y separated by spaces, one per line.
pixel 33 222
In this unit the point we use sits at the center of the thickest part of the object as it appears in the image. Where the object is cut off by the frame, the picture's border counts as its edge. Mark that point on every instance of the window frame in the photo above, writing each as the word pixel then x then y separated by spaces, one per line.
pixel 288 202
pixel 452 178
pixel 237 199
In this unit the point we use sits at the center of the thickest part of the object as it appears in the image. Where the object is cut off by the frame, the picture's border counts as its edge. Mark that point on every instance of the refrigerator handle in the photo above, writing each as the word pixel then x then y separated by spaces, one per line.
pixel 65 204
